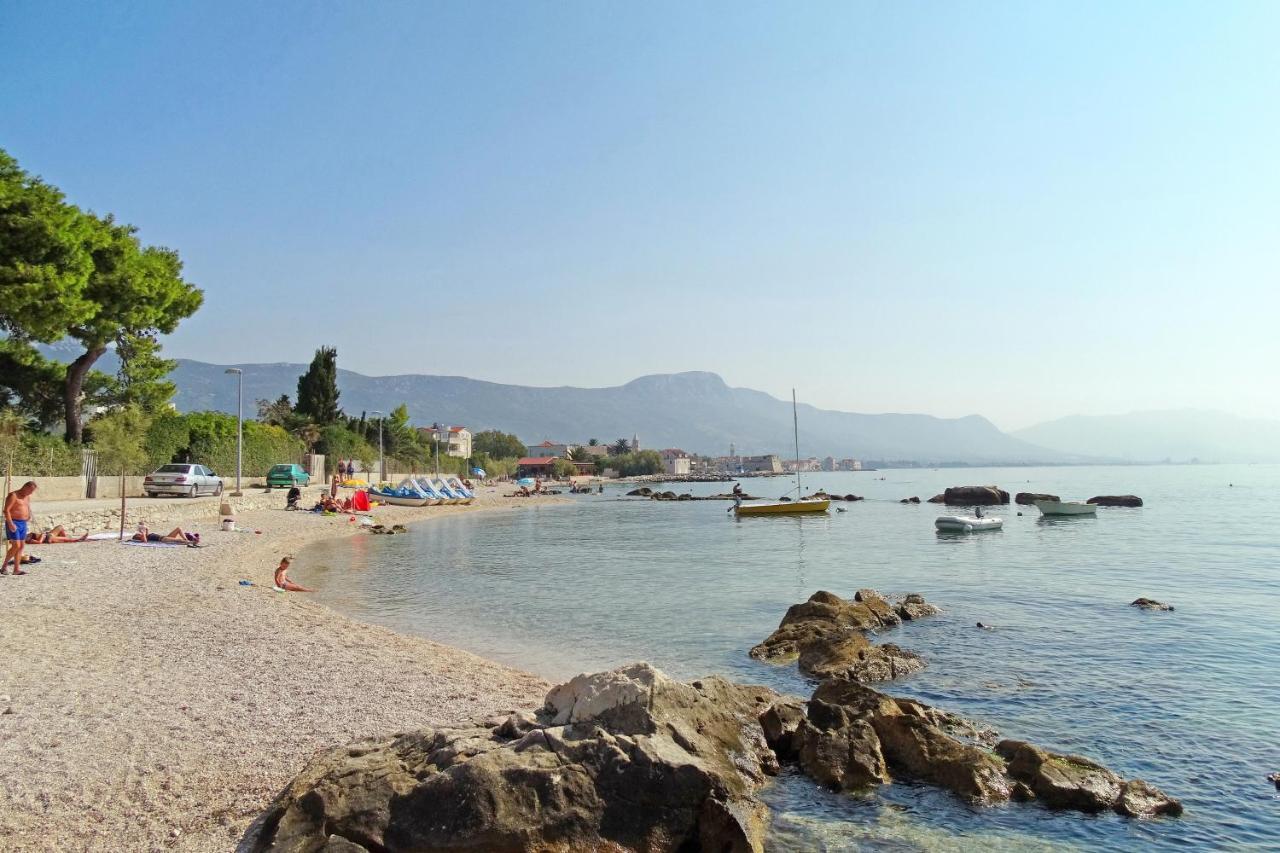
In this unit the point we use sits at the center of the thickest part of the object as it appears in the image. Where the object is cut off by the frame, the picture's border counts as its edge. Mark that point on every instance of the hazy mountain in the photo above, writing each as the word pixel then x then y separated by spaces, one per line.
pixel 694 411
pixel 1180 436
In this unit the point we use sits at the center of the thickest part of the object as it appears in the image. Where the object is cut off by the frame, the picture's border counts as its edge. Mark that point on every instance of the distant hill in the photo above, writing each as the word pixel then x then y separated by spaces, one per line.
pixel 694 411
pixel 1179 436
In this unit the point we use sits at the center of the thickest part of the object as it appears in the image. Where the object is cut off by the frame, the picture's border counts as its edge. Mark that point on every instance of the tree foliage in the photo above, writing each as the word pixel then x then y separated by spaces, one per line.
pixel 635 464
pixel 277 412
pixel 620 447
pixel 497 445
pixel 318 389
pixel 66 273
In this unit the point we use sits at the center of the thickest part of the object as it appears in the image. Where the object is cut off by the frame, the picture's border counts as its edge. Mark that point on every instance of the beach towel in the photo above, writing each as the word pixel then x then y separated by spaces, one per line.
pixel 138 544
pixel 106 534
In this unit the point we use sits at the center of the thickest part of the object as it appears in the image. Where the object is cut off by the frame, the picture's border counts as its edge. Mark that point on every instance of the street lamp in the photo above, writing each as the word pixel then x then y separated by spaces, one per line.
pixel 239 426
pixel 438 432
pixel 382 465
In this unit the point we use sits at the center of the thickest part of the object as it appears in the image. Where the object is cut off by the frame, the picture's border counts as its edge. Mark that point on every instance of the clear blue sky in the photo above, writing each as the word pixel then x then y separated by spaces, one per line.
pixel 1022 210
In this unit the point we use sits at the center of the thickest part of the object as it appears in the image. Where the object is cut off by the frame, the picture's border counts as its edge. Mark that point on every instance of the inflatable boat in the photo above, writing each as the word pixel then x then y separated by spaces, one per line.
pixel 966 523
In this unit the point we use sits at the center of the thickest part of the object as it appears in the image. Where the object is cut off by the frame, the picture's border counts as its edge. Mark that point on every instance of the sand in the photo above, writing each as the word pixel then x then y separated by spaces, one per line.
pixel 151 702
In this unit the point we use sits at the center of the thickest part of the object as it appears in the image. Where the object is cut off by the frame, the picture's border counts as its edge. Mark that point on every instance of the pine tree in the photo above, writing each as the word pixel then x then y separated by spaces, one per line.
pixel 318 388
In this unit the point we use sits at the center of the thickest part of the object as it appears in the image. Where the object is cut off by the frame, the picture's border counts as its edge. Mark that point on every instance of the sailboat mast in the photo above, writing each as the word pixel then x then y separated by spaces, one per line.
pixel 795 425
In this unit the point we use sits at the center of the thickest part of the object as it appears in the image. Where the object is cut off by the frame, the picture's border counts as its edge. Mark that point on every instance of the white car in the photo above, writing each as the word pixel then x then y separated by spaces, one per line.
pixel 182 479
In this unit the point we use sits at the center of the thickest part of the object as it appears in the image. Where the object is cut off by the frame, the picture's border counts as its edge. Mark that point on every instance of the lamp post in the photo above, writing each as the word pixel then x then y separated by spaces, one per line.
pixel 382 465
pixel 437 437
pixel 239 426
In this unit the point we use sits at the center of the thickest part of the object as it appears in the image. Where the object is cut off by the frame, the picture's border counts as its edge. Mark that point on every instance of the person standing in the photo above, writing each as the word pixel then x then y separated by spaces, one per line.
pixel 333 486
pixel 17 514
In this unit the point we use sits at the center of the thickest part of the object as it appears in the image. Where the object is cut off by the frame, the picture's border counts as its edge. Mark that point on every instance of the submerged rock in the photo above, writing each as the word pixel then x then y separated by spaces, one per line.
pixel 854 737
pixel 1029 498
pixel 1150 604
pixel 827 636
pixel 1115 500
pixel 620 760
pixel 975 496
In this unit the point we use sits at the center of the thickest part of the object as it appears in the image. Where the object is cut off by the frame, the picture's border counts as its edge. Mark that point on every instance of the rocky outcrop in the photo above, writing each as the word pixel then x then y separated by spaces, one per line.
pixel 1072 782
pixel 937 499
pixel 1029 498
pixel 1115 500
pixel 642 492
pixel 1150 604
pixel 911 500
pixel 975 496
pixel 828 636
pixel 853 737
pixel 621 760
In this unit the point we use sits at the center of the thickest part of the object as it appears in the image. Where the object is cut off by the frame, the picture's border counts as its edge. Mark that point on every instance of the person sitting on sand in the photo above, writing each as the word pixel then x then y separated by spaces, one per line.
pixel 326 504
pixel 291 499
pixel 176 536
pixel 54 536
pixel 282 577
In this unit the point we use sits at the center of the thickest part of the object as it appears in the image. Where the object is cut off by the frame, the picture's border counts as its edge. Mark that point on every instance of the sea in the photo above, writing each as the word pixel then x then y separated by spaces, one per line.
pixel 1188 700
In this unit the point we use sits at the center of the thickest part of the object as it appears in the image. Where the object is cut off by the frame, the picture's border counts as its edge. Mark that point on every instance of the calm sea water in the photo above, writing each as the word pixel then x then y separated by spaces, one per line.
pixel 1187 700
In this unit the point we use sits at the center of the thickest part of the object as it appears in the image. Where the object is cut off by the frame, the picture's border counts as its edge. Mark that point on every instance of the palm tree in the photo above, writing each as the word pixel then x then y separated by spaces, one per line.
pixel 595 442
pixel 621 447
pixel 579 454
pixel 309 433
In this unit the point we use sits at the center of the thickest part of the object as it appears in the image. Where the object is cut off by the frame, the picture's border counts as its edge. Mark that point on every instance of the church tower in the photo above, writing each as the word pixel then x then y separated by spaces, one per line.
pixel 635 442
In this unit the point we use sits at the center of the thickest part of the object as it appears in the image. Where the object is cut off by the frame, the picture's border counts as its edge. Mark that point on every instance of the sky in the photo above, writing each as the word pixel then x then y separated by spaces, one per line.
pixel 1018 210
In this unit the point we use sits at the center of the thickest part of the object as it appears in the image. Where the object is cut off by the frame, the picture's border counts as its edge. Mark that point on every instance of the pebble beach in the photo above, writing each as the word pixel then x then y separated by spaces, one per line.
pixel 150 701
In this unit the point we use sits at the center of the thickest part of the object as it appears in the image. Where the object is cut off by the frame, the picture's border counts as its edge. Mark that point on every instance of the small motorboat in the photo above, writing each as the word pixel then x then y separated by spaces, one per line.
pixel 967 523
pixel 1066 508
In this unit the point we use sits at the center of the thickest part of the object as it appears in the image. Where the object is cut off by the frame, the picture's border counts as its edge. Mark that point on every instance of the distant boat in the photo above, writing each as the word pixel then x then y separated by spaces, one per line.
pixel 803 506
pixel 966 523
pixel 1066 508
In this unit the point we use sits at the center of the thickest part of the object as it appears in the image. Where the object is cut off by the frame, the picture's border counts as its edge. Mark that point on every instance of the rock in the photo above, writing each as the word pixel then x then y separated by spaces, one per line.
pixel 938 499
pixel 1115 500
pixel 1029 498
pixel 642 492
pixel 622 760
pixel 1141 799
pixel 1072 782
pixel 853 497
pixel 1150 604
pixel 779 723
pixel 975 496
pixel 877 604
pixel 845 758
pixel 685 497
pixel 1061 781
pixel 915 607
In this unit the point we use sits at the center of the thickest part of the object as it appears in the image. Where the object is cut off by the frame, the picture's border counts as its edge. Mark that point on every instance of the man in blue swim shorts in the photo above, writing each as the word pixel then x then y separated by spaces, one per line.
pixel 17 514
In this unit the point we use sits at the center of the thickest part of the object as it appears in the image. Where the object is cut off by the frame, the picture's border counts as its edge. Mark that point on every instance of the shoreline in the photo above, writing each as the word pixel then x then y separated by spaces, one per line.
pixel 151 702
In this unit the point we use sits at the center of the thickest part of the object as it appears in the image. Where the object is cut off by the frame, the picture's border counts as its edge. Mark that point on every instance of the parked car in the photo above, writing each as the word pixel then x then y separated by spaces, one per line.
pixel 287 475
pixel 181 478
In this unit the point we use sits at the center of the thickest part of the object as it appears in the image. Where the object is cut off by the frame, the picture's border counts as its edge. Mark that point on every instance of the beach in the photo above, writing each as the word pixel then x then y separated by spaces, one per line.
pixel 152 702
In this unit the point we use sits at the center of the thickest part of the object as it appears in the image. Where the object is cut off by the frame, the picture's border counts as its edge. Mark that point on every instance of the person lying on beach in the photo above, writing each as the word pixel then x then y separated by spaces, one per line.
pixel 176 536
pixel 54 536
pixel 282 577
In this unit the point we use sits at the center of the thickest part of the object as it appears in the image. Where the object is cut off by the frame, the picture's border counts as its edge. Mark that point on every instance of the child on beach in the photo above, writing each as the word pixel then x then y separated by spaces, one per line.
pixel 282 581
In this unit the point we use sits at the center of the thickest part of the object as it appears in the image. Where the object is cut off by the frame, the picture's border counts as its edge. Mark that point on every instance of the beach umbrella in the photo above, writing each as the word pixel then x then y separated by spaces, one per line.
pixel 525 481
pixel 478 472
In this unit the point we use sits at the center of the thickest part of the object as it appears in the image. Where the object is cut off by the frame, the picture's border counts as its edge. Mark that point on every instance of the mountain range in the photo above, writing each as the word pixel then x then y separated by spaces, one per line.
pixel 700 413
pixel 1182 435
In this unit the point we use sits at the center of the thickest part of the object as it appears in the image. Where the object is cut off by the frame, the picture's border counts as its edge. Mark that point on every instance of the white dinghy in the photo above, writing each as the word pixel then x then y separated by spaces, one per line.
pixel 1066 508
pixel 967 523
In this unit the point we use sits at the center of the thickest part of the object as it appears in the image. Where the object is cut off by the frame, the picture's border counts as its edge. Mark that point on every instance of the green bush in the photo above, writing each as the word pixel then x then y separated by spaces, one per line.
pixel 44 455
pixel 209 438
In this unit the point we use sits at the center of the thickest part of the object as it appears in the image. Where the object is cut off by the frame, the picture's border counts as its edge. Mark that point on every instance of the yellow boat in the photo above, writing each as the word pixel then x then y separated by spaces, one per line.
pixel 801 506
pixel 783 508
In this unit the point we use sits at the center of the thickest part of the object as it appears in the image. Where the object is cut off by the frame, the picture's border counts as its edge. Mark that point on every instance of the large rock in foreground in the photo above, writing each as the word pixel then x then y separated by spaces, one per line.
pixel 854 737
pixel 975 496
pixel 827 634
pixel 1115 500
pixel 620 760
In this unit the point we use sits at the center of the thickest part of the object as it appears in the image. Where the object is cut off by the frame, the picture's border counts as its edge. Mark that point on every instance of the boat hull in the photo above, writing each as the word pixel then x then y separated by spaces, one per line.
pixel 1066 508
pixel 966 523
pixel 397 500
pixel 783 508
